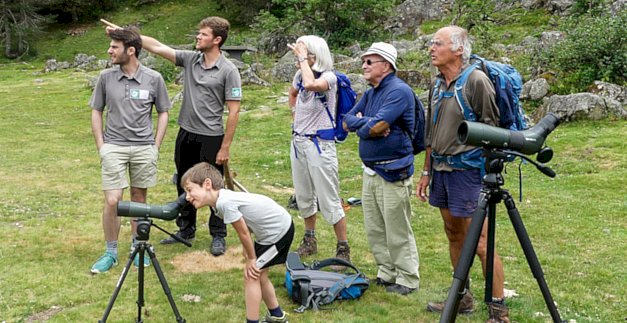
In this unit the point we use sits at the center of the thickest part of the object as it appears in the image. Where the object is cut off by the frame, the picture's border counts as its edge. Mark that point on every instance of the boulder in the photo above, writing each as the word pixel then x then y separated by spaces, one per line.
pixel 250 77
pixel 52 65
pixel 358 83
pixel 411 13
pixel 415 78
pixel 580 106
pixel 285 68
pixel 560 6
pixel 535 89
pixel 610 91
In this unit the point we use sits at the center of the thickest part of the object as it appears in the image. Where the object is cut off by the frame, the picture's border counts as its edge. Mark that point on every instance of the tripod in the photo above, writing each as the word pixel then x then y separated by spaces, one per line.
pixel 490 195
pixel 143 232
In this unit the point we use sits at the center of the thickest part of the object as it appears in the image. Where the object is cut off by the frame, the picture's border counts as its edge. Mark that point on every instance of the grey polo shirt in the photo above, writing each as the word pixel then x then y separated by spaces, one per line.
pixel 206 89
pixel 129 100
pixel 441 135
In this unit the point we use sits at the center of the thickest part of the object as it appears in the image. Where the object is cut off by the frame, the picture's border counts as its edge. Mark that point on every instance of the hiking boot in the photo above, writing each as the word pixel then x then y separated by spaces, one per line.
pixel 381 282
pixel 308 247
pixel 170 240
pixel 146 261
pixel 104 263
pixel 466 305
pixel 399 289
pixel 342 251
pixel 274 319
pixel 218 246
pixel 291 203
pixel 497 313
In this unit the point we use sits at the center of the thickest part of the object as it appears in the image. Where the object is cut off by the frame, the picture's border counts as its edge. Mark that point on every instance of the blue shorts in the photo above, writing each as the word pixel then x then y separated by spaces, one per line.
pixel 457 191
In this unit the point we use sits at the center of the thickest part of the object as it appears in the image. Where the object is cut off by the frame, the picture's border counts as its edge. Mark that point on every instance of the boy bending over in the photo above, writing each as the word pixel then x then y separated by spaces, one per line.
pixel 269 222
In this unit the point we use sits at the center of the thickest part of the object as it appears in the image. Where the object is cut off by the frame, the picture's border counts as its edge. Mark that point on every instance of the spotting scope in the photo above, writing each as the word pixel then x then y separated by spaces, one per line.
pixel 141 210
pixel 528 141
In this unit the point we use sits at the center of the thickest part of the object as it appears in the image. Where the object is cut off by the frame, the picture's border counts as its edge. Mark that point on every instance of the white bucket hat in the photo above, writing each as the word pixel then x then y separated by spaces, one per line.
pixel 385 50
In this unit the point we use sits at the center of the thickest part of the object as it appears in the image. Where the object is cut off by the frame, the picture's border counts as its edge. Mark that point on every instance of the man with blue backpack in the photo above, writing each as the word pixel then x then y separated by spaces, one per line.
pixel 382 119
pixel 313 99
pixel 454 170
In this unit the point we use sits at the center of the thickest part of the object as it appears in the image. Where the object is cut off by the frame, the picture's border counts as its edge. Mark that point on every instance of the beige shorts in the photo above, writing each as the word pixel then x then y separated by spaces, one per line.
pixel 316 179
pixel 140 161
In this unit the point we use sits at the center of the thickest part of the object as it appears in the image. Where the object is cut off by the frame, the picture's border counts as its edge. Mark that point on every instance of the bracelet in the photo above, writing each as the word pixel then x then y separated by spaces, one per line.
pixel 425 173
pixel 302 59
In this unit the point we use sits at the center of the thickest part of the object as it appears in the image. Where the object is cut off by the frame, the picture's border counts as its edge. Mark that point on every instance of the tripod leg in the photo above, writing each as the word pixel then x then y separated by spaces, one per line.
pixel 164 284
pixel 118 286
pixel 140 281
pixel 489 272
pixel 466 257
pixel 530 254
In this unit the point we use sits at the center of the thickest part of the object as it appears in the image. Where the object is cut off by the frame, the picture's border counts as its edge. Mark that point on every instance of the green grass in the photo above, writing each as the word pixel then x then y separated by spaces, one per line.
pixel 50 210
pixel 50 219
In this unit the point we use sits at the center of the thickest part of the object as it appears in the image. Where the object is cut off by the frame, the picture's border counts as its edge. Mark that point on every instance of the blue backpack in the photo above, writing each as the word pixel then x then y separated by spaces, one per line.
pixel 312 287
pixel 346 98
pixel 507 86
pixel 417 136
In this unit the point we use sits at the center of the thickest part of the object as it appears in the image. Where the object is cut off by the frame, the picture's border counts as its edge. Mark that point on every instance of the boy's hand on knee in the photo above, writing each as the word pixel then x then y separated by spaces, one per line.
pixel 251 271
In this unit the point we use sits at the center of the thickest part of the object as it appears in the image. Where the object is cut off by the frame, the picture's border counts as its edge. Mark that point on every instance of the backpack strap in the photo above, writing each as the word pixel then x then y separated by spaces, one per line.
pixel 468 112
pixel 335 290
pixel 334 261
pixel 437 97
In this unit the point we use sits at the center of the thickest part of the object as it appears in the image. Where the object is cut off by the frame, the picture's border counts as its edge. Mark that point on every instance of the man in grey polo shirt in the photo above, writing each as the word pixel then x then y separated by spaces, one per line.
pixel 210 81
pixel 129 91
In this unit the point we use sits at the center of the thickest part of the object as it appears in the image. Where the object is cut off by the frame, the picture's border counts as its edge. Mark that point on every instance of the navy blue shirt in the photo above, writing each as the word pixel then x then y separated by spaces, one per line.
pixel 393 102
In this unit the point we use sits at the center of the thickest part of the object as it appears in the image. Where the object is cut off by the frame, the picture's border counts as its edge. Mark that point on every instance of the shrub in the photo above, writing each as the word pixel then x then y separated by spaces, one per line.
pixel 593 49
pixel 340 22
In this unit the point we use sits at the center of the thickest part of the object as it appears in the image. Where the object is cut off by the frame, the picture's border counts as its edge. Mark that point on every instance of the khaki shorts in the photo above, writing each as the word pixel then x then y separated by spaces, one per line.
pixel 316 179
pixel 141 162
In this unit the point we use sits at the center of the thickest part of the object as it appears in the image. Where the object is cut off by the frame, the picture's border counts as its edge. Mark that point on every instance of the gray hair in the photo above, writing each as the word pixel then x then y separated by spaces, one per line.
pixel 318 46
pixel 459 37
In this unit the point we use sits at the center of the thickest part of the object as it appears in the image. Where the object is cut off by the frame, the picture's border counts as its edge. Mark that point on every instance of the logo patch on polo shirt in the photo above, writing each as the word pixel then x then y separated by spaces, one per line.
pixel 137 94
pixel 236 92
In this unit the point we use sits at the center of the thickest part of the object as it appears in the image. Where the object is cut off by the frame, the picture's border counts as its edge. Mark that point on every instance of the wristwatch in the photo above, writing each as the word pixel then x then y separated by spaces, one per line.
pixel 425 173
pixel 302 59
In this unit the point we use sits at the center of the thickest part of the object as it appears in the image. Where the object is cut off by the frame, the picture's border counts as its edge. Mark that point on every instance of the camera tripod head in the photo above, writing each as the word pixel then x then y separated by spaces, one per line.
pixel 496 159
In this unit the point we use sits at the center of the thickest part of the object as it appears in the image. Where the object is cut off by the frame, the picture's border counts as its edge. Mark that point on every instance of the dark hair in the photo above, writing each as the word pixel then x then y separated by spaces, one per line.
pixel 201 171
pixel 218 25
pixel 130 37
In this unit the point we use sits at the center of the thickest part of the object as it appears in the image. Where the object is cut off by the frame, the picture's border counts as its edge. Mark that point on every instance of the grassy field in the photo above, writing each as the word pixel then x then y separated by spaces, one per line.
pixel 50 220
pixel 51 205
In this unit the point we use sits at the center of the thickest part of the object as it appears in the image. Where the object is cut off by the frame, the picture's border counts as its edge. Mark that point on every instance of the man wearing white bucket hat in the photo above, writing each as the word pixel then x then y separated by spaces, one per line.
pixel 386 152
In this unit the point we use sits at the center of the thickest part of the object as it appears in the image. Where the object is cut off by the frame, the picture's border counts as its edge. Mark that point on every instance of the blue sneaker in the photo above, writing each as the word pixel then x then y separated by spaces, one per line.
pixel 104 263
pixel 146 261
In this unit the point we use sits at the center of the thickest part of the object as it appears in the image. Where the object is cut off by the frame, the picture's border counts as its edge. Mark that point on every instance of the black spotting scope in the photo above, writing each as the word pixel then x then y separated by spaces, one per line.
pixel 528 141
pixel 141 210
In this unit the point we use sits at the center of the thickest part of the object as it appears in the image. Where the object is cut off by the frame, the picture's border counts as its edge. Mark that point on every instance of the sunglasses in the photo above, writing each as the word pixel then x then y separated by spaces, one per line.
pixel 370 62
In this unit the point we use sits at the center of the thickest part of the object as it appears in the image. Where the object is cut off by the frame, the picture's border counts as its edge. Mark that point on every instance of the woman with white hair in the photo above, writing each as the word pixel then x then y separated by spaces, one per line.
pixel 312 152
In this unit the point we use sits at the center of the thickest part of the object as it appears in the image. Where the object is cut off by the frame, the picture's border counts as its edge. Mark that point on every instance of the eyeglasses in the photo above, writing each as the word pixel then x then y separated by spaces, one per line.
pixel 436 43
pixel 370 62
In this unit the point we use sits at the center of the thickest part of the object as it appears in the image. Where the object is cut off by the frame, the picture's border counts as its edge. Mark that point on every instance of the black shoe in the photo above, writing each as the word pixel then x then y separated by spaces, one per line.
pixel 218 246
pixel 170 240
pixel 381 282
pixel 399 289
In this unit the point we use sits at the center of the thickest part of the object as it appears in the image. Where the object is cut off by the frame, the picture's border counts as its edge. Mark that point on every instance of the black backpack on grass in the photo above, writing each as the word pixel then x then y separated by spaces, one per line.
pixel 312 287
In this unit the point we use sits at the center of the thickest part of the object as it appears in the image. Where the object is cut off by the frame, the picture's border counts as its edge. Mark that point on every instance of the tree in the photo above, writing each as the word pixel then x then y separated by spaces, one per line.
pixel 18 20
pixel 340 22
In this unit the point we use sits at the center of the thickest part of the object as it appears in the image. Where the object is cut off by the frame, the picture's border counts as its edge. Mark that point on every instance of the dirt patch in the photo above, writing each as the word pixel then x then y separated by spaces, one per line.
pixel 281 190
pixel 203 261
pixel 45 315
